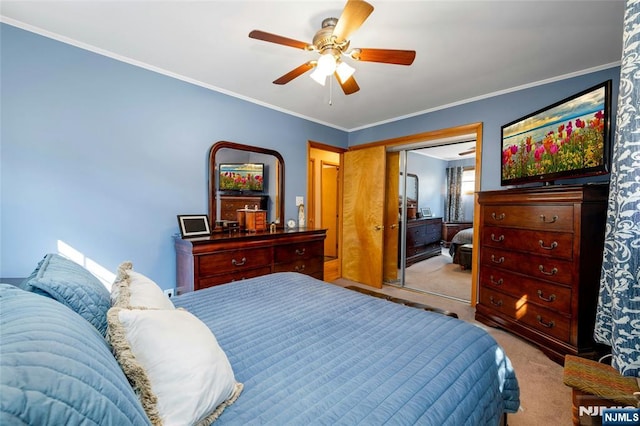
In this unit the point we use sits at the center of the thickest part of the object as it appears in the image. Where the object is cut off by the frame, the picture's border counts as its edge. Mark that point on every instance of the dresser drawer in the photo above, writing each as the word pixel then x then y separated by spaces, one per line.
pixel 306 250
pixel 539 292
pixel 231 276
pixel 556 244
pixel 310 266
pixel 544 320
pixel 548 268
pixel 233 260
pixel 416 236
pixel 543 217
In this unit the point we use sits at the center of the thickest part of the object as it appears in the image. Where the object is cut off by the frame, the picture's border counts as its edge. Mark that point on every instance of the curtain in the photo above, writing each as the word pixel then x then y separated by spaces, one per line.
pixel 453 208
pixel 618 311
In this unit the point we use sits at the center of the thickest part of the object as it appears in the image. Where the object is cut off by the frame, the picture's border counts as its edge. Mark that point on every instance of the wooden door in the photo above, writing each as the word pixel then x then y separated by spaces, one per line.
pixel 390 269
pixel 329 208
pixel 363 215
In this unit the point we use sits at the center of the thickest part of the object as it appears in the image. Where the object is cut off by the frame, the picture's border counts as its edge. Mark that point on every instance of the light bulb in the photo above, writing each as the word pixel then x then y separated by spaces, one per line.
pixel 326 64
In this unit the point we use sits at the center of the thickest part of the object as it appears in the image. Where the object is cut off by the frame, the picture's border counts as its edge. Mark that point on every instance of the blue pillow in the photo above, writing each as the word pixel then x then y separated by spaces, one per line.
pixel 72 285
pixel 57 369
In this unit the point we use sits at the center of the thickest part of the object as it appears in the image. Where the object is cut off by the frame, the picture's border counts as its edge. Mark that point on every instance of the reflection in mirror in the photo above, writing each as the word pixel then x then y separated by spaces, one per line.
pixel 411 196
pixel 223 204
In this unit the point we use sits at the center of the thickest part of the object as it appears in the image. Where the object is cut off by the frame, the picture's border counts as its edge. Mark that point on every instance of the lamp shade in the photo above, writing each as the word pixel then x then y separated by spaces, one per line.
pixel 344 71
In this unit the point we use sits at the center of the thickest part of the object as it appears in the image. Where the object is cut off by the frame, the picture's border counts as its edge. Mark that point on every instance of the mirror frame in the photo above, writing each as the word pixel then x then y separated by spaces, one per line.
pixel 213 193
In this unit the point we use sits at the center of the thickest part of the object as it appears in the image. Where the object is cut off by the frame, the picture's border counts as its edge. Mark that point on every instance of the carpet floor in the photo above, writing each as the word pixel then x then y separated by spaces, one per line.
pixel 544 399
pixel 439 275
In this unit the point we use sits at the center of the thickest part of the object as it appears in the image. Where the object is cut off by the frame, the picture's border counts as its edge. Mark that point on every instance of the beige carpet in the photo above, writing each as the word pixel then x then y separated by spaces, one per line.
pixel 439 275
pixel 544 399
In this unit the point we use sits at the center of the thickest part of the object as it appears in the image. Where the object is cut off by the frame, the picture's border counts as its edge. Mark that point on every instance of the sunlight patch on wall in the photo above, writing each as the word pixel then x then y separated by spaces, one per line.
pixel 103 274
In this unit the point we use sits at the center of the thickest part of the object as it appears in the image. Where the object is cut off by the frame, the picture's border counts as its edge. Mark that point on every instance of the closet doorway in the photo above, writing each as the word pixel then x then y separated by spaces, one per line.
pixel 434 200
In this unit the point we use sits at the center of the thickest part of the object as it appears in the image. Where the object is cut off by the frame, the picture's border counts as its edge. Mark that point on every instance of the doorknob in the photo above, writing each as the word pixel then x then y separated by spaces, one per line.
pixel 394 225
pixel 378 227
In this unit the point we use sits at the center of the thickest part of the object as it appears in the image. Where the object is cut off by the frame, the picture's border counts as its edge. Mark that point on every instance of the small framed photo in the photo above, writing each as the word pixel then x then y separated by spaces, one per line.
pixel 426 212
pixel 194 225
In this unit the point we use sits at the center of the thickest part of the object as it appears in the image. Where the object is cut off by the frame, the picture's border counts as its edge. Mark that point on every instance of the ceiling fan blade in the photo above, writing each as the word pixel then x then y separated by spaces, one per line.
pixel 467 151
pixel 387 56
pixel 273 38
pixel 353 16
pixel 296 72
pixel 348 87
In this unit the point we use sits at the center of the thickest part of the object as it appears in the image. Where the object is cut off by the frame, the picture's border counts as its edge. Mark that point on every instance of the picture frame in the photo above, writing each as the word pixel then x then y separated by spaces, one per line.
pixel 426 212
pixel 194 225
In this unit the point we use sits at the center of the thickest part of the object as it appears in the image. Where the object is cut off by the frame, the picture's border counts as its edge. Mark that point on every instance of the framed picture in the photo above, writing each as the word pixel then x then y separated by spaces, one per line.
pixel 194 225
pixel 426 212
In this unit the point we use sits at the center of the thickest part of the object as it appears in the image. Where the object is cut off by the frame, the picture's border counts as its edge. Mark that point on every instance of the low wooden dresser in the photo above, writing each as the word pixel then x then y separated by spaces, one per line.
pixel 222 258
pixel 540 260
pixel 423 239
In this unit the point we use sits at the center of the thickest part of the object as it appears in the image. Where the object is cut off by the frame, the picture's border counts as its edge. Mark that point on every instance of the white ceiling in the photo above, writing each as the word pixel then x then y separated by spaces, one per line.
pixel 466 50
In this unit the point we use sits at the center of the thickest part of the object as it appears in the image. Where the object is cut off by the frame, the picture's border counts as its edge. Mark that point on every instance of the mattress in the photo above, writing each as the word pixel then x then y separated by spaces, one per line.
pixel 310 352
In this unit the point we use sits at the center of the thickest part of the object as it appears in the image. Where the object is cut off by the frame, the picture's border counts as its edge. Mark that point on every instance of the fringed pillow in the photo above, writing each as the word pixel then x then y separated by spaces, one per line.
pixel 174 363
pixel 132 289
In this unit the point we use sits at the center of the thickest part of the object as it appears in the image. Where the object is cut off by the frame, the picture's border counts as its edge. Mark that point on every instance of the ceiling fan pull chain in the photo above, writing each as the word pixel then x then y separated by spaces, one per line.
pixel 330 91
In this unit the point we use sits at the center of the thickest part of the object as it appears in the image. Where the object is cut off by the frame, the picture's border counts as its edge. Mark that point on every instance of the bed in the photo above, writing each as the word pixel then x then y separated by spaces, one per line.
pixel 309 352
pixel 461 238
pixel 296 350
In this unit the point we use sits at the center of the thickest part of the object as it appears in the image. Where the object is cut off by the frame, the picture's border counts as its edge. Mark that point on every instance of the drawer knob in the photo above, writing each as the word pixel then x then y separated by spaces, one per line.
pixel 500 216
pixel 544 218
pixel 498 260
pixel 551 272
pixel 551 247
pixel 299 268
pixel 546 299
pixel 300 252
pixel 549 324
pixel 236 263
pixel 494 282
pixel 499 239
pixel 494 302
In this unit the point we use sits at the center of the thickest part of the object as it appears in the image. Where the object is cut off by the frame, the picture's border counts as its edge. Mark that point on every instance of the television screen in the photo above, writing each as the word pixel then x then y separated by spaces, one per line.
pixel 241 177
pixel 568 139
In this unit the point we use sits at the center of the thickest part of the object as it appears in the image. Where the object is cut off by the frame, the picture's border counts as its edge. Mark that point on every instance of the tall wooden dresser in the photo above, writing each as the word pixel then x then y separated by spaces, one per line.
pixel 540 260
pixel 223 257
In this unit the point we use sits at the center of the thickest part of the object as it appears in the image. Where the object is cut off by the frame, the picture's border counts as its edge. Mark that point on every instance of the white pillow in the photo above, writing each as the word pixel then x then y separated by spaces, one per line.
pixel 132 289
pixel 174 364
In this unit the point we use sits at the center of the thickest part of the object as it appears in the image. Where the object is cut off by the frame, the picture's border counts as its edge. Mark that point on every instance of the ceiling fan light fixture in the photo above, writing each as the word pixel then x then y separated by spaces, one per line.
pixel 318 76
pixel 344 71
pixel 326 64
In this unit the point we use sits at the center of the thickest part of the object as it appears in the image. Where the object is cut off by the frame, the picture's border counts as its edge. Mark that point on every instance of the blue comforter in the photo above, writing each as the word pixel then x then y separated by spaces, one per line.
pixel 309 352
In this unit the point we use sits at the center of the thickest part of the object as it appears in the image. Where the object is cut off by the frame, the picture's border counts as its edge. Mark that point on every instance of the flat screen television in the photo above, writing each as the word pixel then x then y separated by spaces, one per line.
pixel 569 139
pixel 241 177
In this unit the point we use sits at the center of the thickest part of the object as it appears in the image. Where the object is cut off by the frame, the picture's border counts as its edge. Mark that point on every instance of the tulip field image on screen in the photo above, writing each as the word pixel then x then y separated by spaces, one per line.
pixel 564 138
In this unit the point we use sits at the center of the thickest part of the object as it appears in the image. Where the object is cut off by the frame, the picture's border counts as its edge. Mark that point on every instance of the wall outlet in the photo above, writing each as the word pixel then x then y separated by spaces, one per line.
pixel 168 292
pixel 299 200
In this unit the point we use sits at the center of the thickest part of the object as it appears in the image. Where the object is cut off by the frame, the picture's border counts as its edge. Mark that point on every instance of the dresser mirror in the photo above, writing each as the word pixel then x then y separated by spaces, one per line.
pixel 271 198
pixel 411 195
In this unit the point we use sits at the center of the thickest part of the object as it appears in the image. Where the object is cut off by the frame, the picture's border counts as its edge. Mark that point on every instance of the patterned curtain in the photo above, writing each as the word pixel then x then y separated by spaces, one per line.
pixel 618 312
pixel 453 208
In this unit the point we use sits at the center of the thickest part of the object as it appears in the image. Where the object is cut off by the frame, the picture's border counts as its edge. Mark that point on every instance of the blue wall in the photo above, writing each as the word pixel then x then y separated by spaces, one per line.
pixel 102 155
pixel 431 174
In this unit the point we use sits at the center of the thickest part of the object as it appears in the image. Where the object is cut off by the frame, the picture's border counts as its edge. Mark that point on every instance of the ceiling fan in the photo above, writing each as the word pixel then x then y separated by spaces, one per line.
pixel 471 150
pixel 332 41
